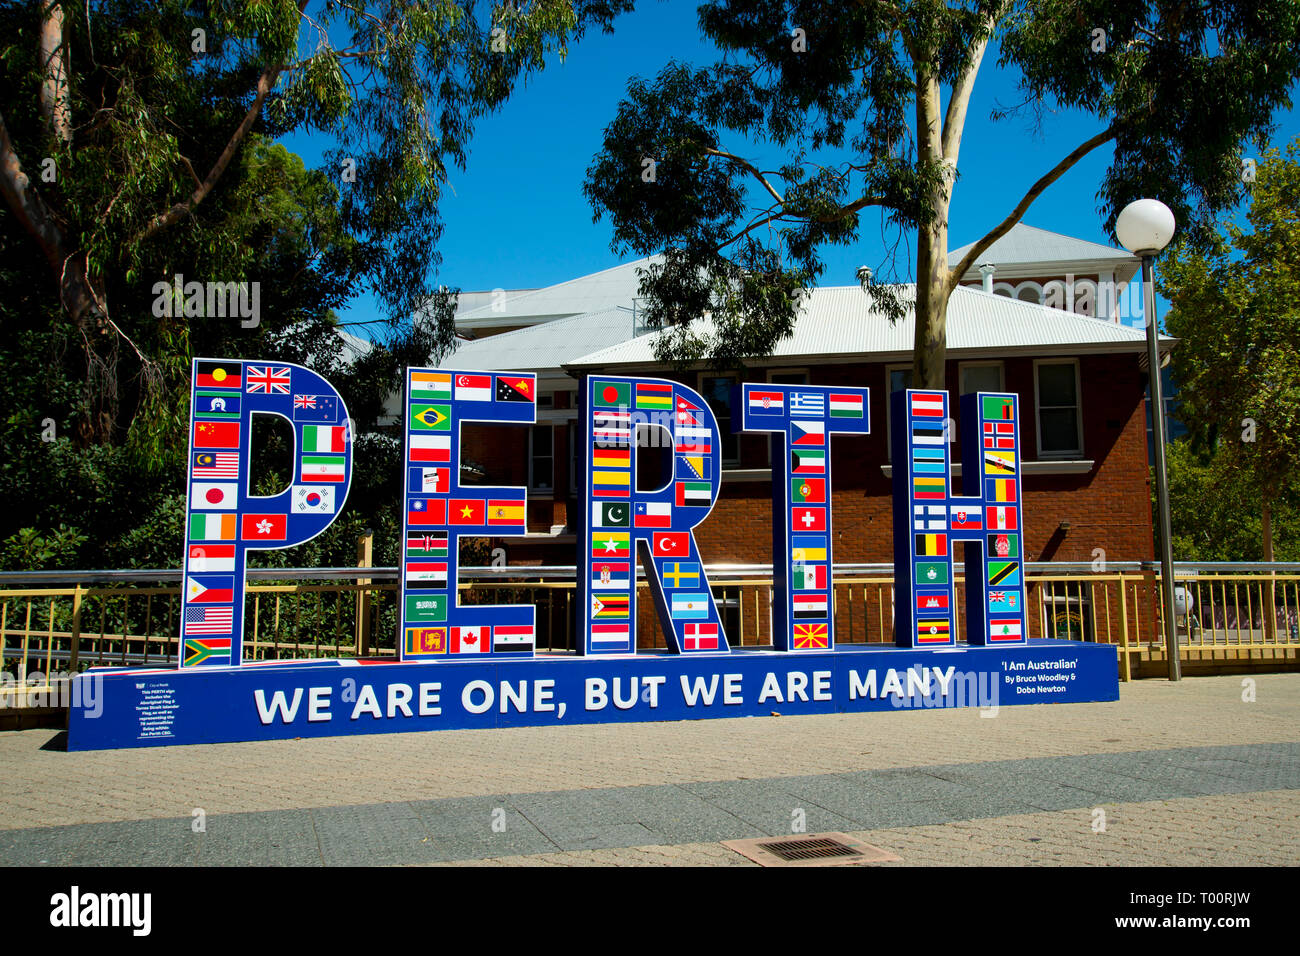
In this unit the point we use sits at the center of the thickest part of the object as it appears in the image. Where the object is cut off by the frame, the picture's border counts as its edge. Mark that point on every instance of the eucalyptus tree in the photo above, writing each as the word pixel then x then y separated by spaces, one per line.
pixel 122 123
pixel 867 104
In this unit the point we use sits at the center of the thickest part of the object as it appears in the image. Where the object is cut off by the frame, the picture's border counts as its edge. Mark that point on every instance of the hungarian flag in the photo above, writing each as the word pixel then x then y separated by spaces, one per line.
pixel 845 406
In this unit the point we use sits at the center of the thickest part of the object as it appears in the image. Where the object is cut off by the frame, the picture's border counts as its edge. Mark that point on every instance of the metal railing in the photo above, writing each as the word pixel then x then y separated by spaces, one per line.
pixel 52 622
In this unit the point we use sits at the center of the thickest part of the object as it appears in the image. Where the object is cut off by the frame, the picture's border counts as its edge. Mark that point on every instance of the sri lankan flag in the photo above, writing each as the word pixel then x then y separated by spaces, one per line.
pixel 931 545
pixel 1000 408
pixel 207 650
pixel 928 632
pixel 811 637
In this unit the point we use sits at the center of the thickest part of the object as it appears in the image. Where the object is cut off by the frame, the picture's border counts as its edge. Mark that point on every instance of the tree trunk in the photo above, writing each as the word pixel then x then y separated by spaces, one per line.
pixel 932 272
pixel 54 68
pixel 1270 600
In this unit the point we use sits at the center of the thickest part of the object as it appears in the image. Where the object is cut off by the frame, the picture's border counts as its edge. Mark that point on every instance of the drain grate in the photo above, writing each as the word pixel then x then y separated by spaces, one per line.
pixel 815 849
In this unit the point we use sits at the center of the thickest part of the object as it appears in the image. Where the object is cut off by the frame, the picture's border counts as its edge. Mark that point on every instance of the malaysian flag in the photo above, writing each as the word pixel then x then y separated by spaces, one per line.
pixel 208 620
pixel 219 464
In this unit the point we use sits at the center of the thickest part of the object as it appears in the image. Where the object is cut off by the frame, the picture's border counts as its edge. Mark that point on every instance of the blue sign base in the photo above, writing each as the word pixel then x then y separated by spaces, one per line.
pixel 115 708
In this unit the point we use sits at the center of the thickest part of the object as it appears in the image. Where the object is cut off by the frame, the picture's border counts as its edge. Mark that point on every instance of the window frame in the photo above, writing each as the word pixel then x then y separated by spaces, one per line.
pixel 533 488
pixel 1070 454
pixel 981 363
pixel 723 432
pixel 889 409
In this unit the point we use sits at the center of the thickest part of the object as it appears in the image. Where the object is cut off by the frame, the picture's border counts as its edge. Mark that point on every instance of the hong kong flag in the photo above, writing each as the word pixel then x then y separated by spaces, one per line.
pixel 263 527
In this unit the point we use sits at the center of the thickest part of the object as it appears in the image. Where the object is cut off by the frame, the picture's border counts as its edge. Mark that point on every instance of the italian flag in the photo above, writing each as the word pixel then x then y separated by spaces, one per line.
pixel 323 437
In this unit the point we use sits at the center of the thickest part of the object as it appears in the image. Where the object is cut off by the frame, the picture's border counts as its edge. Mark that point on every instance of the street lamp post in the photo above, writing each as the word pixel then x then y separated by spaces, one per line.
pixel 1144 228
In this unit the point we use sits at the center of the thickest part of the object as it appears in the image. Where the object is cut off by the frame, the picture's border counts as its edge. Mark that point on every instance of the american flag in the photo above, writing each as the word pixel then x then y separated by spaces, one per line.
pixel 208 620
pixel 268 379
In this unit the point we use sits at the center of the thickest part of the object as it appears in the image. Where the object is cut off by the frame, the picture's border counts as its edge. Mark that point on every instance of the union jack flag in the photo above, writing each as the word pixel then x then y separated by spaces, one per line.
pixel 304 401
pixel 268 379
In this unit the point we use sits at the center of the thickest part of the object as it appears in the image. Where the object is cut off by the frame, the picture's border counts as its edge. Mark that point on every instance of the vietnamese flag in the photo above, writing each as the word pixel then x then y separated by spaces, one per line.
pixel 216 434
pixel 466 511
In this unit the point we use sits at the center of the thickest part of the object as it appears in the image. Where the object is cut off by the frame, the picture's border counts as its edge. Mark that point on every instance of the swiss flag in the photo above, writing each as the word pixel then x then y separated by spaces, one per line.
pixel 808 519
pixel 671 544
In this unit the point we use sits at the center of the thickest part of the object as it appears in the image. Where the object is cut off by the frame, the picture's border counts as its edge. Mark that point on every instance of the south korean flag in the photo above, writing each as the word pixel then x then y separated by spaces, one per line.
pixel 313 499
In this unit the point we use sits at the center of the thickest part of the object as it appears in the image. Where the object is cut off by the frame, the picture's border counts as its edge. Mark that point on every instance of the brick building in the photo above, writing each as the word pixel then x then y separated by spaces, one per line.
pixel 1041 316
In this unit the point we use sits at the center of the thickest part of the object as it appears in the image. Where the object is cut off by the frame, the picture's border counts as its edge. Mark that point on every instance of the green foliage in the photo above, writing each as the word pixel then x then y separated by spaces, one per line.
pixel 28 550
pixel 1234 309
pixel 869 115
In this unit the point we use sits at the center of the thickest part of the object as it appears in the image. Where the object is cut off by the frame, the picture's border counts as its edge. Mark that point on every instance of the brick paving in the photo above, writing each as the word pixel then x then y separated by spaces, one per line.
pixel 361 792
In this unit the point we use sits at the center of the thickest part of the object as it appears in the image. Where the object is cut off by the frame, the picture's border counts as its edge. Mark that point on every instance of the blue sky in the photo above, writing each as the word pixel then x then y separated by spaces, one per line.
pixel 516 217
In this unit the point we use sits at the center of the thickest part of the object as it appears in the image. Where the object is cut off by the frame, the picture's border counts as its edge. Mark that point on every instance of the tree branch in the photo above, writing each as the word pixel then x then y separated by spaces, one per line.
pixel 54 73
pixel 26 202
pixel 265 83
pixel 749 168
pixel 1057 171
pixel 954 120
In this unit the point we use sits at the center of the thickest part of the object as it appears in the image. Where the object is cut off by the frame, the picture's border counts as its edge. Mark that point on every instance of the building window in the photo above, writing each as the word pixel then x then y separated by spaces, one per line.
pixel 541 458
pixel 717 392
pixel 896 377
pixel 1060 424
pixel 575 457
pixel 974 377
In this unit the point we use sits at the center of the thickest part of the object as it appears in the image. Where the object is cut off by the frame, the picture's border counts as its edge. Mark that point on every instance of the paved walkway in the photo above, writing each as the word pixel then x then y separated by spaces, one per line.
pixel 1185 773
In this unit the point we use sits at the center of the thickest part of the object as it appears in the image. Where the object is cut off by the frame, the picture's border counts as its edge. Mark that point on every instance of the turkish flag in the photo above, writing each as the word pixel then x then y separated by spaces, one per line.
pixel 672 544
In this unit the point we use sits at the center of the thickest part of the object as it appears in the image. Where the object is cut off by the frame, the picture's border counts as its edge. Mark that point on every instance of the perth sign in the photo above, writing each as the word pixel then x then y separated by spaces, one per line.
pixel 462 666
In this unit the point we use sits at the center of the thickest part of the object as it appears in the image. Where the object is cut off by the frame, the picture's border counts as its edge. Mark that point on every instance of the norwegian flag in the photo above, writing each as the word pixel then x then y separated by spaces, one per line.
pixel 999 435
pixel 268 379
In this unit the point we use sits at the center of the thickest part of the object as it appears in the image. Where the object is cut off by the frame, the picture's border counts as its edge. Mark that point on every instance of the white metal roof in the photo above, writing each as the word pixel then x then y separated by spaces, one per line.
pixel 591 293
pixel 836 324
pixel 1029 244
pixel 550 345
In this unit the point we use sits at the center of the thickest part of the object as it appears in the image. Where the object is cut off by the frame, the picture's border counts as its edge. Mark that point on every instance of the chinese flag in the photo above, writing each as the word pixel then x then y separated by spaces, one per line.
pixel 216 434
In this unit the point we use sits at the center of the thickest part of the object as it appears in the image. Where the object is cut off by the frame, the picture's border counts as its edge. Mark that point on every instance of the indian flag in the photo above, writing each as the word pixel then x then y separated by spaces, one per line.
pixel 430 385
pixel 323 437
pixel 846 406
